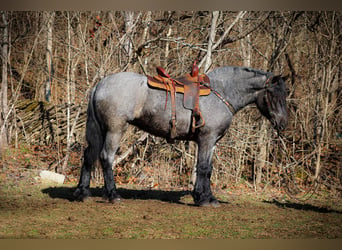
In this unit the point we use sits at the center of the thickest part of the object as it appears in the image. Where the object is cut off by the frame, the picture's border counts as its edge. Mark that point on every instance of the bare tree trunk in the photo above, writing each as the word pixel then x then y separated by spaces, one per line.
pixel 145 33
pixel 49 19
pixel 193 150
pixel 146 25
pixel 261 154
pixel 69 66
pixel 246 51
pixel 207 60
pixel 127 39
pixel 327 44
pixel 4 84
pixel 127 43
pixel 211 45
pixel 212 34
pixel 167 46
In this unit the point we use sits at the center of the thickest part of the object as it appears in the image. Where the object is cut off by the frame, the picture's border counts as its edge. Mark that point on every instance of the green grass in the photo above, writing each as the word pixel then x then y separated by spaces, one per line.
pixel 44 211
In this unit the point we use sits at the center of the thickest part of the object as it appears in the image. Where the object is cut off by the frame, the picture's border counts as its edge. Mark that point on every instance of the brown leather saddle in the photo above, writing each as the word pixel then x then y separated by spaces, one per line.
pixel 192 86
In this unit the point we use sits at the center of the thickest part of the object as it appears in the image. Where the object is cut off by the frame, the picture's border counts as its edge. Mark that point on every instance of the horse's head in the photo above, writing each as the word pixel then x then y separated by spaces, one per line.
pixel 272 102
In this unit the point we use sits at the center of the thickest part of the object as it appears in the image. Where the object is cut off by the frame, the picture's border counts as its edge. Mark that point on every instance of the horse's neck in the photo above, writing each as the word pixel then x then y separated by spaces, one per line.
pixel 243 91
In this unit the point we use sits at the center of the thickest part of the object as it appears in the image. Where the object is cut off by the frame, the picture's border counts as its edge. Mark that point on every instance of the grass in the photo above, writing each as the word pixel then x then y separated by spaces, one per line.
pixel 31 209
pixel 44 211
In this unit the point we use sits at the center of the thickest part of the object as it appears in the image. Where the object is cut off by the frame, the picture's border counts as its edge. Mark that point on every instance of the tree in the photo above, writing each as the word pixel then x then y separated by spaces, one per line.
pixel 328 61
pixel 48 18
pixel 212 44
pixel 4 82
pixel 127 39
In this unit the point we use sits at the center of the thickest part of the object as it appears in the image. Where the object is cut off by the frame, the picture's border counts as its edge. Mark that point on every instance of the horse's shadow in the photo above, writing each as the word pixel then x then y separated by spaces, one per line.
pixel 166 196
pixel 304 207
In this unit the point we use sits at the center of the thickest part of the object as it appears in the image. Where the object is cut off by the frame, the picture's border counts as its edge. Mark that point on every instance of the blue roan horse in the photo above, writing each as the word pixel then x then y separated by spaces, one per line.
pixel 125 98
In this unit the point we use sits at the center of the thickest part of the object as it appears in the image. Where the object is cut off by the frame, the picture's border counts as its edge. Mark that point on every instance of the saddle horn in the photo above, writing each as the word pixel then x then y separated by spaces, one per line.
pixel 194 70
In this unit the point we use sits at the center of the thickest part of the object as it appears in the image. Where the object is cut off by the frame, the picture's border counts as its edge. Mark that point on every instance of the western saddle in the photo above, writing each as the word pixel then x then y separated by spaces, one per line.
pixel 192 86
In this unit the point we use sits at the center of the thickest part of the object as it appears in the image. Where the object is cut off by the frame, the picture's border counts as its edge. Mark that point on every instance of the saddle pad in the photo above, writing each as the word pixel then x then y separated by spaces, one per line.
pixel 159 82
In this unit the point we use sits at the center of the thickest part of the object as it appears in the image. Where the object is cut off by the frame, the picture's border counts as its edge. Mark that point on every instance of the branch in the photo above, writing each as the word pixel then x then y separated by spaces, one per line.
pixel 130 150
pixel 179 41
pixel 226 32
pixel 211 41
pixel 246 32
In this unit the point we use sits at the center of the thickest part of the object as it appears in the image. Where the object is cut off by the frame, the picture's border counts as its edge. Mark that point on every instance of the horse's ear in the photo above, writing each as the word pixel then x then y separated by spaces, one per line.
pixel 276 78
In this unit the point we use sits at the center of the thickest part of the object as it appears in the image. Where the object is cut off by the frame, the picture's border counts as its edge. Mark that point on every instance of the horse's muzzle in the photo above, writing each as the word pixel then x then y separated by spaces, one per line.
pixel 281 123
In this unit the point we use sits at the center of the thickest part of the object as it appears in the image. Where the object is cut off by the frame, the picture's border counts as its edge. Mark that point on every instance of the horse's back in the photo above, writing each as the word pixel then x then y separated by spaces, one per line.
pixel 122 83
pixel 120 95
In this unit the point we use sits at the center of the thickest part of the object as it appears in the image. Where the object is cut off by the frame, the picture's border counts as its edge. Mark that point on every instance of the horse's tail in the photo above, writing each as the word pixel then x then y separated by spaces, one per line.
pixel 93 132
pixel 92 152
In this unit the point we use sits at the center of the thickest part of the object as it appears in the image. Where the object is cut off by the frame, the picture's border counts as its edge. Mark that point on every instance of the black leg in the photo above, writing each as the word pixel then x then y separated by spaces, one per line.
pixel 202 192
pixel 110 191
pixel 82 191
pixel 91 154
pixel 107 158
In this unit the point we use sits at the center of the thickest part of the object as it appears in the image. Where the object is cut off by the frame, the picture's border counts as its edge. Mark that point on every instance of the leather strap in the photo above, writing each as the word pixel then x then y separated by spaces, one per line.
pixel 173 110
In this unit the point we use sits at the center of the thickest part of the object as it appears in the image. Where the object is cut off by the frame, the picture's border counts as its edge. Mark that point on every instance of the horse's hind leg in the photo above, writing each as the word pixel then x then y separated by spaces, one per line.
pixel 91 154
pixel 82 191
pixel 107 154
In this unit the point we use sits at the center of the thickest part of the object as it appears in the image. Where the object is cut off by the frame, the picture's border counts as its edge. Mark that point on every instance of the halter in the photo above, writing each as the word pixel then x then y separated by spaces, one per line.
pixel 267 85
pixel 266 97
pixel 229 105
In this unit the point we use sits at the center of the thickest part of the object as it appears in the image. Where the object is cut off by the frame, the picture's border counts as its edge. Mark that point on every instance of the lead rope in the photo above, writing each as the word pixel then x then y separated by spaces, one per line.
pixel 268 104
pixel 230 107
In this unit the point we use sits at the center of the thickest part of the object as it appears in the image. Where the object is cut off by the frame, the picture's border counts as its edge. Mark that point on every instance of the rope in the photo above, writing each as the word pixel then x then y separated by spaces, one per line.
pixel 230 107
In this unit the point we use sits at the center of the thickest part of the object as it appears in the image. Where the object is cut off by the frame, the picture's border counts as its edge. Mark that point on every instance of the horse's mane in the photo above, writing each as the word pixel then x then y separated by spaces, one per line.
pixel 238 70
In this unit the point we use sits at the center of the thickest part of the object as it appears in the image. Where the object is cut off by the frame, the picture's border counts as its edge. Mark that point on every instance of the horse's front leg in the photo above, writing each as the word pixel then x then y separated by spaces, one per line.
pixel 202 192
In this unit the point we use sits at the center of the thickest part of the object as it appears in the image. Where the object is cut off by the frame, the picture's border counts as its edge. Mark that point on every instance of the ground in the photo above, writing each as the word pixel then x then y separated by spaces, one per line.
pixel 31 208
pixel 47 211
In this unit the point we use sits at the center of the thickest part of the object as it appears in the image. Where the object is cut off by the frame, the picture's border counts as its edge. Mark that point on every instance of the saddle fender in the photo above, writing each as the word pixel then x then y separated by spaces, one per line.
pixel 192 86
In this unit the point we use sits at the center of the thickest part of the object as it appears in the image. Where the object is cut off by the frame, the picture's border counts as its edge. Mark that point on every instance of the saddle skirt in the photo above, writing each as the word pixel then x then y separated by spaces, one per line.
pixel 192 86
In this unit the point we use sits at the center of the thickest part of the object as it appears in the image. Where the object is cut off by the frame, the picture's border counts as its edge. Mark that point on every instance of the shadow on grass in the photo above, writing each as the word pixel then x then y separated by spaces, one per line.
pixel 305 207
pixel 168 196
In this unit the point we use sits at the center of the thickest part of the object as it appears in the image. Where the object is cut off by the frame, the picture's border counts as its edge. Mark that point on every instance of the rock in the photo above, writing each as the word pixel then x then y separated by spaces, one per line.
pixel 52 176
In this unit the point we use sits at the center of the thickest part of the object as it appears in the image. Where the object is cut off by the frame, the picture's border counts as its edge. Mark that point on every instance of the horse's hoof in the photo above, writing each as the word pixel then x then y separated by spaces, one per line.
pixel 212 203
pixel 81 195
pixel 215 204
pixel 82 198
pixel 115 200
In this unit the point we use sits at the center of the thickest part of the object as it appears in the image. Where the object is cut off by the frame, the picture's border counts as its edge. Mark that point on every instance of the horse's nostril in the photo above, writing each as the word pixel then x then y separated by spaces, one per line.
pixel 282 123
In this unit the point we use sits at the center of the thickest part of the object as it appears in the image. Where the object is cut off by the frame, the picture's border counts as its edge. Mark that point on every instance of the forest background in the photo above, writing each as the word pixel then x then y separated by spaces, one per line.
pixel 51 60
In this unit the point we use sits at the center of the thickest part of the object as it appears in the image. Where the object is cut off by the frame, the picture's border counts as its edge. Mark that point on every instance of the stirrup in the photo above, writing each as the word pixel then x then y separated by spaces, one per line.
pixel 199 123
pixel 173 124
